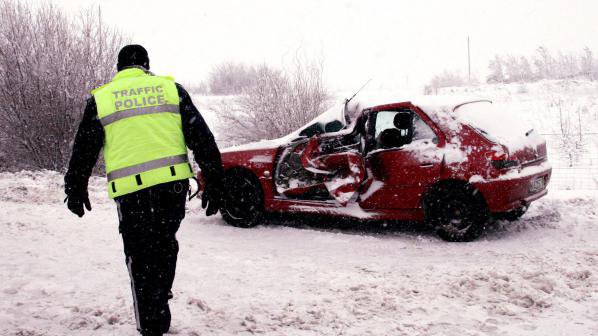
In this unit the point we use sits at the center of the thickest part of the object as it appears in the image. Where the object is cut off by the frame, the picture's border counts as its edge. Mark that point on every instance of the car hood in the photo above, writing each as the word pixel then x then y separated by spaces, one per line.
pixel 257 145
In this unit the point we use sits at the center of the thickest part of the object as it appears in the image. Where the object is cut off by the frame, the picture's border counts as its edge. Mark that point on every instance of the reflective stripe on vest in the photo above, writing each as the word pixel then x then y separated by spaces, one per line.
pixel 116 116
pixel 140 168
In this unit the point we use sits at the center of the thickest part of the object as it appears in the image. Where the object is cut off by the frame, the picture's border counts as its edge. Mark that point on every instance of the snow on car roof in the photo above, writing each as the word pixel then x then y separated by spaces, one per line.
pixel 436 102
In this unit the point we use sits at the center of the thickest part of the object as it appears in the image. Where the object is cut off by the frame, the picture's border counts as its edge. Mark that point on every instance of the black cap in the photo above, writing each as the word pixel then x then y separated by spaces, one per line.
pixel 132 54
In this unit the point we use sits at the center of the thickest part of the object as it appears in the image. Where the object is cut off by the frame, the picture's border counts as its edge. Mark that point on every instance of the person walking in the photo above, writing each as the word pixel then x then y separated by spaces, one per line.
pixel 145 123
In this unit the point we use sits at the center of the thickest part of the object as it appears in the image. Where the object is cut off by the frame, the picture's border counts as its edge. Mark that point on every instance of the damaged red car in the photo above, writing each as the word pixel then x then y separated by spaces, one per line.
pixel 451 163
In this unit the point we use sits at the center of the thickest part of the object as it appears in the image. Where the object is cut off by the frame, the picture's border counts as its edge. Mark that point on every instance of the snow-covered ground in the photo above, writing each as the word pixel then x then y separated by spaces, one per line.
pixel 61 275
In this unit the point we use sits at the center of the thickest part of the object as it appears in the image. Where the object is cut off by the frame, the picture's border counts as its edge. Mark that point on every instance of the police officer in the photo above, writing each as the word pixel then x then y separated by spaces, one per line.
pixel 145 123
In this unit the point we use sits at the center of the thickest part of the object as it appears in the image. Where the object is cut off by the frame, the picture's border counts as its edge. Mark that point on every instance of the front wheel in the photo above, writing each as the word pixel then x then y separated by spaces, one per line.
pixel 243 201
pixel 457 215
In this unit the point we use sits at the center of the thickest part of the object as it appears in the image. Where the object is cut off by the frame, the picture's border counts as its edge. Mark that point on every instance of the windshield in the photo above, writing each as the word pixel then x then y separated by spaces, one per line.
pixel 497 122
pixel 335 113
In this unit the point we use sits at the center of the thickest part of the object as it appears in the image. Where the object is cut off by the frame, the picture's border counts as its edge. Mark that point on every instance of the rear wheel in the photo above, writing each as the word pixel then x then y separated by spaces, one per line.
pixel 243 201
pixel 457 214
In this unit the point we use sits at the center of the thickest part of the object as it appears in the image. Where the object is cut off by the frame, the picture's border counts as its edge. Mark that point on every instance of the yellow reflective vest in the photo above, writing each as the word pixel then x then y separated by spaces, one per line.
pixel 144 143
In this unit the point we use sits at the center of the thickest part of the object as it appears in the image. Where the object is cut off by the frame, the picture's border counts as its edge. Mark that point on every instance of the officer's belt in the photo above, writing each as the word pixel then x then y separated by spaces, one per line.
pixel 143 167
pixel 116 116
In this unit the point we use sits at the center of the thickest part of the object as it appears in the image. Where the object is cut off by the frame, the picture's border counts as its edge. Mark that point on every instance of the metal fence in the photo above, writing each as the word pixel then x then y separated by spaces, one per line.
pixel 573 168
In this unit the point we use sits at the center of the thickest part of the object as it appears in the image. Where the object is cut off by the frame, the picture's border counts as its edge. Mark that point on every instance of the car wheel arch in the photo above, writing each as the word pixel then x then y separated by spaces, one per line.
pixel 237 172
pixel 450 184
pixel 239 212
pixel 456 209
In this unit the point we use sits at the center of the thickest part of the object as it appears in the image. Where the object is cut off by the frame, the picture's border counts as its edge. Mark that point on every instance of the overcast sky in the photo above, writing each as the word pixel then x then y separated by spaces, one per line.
pixel 400 44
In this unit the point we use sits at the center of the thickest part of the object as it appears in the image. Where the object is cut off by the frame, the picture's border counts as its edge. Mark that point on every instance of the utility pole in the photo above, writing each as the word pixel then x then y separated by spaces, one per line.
pixel 468 63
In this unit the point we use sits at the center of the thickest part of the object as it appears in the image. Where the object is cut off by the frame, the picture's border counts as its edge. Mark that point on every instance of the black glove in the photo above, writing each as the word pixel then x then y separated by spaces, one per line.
pixel 75 204
pixel 211 198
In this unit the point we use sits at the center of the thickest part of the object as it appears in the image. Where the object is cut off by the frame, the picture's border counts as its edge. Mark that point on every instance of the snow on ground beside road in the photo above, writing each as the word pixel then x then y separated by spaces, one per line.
pixel 61 275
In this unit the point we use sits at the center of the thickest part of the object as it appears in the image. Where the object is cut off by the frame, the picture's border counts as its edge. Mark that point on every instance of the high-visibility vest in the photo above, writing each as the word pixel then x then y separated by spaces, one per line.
pixel 144 143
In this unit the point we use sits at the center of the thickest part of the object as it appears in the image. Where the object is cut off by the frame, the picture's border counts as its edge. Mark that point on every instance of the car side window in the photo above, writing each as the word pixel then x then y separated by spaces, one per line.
pixel 384 121
pixel 384 126
pixel 421 130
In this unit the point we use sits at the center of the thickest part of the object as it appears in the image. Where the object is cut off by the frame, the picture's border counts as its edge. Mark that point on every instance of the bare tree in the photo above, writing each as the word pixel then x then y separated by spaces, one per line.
pixel 567 66
pixel 509 69
pixel 278 102
pixel 512 72
pixel 48 64
pixel 544 63
pixel 230 78
pixel 497 72
pixel 525 70
pixel 588 64
pixel 571 143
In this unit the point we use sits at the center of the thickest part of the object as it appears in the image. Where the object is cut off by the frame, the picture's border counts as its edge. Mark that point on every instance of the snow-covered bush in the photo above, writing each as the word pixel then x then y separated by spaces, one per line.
pixel 278 102
pixel 542 65
pixel 230 78
pixel 197 88
pixel 48 63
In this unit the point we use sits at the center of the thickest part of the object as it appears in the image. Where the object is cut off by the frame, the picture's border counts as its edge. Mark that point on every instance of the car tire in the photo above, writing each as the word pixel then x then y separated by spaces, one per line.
pixel 457 214
pixel 243 202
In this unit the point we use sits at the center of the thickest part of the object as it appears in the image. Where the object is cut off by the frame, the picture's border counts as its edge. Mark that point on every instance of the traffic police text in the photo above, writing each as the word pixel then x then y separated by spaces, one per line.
pixel 139 97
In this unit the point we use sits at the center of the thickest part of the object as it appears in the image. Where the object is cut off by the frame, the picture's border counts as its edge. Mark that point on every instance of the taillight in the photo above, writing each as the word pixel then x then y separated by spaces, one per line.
pixel 504 164
pixel 499 159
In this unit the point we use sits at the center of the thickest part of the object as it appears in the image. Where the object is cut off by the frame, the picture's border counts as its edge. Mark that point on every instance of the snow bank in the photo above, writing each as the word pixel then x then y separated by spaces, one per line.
pixel 43 187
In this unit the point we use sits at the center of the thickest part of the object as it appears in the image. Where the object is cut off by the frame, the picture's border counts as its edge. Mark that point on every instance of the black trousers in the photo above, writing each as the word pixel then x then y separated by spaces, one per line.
pixel 149 220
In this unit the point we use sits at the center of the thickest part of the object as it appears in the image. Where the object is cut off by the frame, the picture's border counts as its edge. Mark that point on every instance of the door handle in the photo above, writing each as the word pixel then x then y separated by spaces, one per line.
pixel 426 165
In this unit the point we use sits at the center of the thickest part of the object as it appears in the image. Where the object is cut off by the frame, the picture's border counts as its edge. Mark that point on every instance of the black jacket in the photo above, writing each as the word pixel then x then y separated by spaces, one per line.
pixel 90 140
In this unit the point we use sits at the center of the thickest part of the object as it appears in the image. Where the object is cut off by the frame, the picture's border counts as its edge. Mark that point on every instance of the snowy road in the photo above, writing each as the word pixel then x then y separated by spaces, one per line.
pixel 61 275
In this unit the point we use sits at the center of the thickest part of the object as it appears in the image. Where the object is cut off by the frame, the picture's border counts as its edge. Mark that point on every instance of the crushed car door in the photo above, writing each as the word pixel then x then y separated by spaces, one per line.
pixel 344 171
pixel 293 181
pixel 330 163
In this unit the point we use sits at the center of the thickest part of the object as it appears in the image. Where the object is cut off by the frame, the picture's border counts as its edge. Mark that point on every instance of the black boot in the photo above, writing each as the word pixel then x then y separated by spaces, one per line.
pixel 151 333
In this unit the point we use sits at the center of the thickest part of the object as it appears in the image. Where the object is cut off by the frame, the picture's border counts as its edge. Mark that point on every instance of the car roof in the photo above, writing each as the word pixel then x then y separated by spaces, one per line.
pixel 436 102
